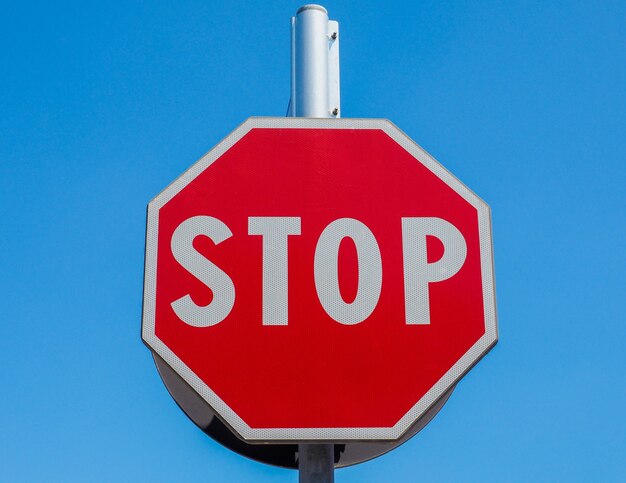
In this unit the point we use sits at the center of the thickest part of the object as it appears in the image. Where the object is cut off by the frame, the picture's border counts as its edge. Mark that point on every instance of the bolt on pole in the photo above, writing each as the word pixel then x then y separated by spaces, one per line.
pixel 314 93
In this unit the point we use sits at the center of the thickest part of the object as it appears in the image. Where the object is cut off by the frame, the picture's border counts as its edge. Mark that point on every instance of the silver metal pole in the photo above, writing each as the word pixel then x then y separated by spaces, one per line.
pixel 314 93
pixel 314 64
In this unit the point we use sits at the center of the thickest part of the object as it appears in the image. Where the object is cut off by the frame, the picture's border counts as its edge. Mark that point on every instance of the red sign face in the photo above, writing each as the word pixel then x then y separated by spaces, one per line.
pixel 319 279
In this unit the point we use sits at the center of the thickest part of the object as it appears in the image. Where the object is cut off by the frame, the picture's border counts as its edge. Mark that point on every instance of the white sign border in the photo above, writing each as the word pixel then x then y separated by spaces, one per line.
pixel 449 379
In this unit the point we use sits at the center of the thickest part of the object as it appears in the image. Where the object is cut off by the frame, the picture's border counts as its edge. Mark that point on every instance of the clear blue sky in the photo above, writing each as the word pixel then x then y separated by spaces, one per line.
pixel 103 104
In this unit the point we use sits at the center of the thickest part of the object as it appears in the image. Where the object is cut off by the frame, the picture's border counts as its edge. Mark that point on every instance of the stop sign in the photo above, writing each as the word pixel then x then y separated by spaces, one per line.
pixel 319 279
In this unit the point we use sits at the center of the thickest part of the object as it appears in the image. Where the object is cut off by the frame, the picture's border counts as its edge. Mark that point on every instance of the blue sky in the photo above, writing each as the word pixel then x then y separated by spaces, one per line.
pixel 102 105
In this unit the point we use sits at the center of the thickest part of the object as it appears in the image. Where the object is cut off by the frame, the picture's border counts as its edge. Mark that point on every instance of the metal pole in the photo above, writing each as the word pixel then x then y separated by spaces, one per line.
pixel 314 87
pixel 316 463
pixel 312 62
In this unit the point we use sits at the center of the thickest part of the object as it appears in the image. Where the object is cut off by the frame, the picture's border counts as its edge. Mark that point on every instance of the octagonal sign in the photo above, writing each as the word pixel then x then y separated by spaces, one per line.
pixel 319 279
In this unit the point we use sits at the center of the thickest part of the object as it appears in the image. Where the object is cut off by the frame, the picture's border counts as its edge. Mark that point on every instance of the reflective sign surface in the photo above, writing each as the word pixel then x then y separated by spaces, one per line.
pixel 317 279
